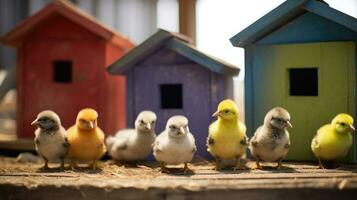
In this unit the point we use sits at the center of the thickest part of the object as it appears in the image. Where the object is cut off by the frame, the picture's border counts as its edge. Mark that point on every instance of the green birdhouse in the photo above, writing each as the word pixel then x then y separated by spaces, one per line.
pixel 301 56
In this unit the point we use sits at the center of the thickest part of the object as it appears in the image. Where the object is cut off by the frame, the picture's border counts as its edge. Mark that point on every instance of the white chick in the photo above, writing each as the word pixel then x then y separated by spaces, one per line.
pixel 175 145
pixel 134 144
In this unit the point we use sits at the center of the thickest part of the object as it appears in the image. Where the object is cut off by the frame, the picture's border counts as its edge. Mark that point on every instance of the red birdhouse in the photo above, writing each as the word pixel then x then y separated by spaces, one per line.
pixel 62 55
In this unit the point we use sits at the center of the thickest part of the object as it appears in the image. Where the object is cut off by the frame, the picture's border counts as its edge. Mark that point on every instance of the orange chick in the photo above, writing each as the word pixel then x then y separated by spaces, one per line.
pixel 86 139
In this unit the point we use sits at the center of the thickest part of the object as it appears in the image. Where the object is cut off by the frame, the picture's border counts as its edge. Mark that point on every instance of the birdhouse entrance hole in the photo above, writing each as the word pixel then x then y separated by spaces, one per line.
pixel 62 71
pixel 303 82
pixel 171 96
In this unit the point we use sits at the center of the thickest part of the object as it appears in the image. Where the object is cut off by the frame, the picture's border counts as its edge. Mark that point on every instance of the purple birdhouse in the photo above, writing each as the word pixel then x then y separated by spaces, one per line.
pixel 168 75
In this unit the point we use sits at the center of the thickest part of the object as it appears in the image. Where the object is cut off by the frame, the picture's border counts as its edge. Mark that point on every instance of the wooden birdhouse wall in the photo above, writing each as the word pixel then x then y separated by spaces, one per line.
pixel 200 88
pixel 113 92
pixel 40 91
pixel 168 75
pixel 318 42
pixel 82 57
pixel 324 49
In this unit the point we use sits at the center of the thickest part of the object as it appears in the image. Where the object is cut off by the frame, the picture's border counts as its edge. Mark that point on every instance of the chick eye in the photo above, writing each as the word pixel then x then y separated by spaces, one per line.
pixel 343 124
pixel 82 120
pixel 153 122
pixel 173 127
pixel 141 121
pixel 226 111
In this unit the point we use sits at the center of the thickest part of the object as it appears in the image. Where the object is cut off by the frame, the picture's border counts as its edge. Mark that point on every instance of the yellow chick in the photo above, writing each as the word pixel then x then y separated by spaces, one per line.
pixel 334 140
pixel 86 139
pixel 227 138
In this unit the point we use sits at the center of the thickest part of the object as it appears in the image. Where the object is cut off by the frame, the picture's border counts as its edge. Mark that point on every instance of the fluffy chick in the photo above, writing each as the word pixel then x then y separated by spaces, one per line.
pixel 50 137
pixel 176 144
pixel 227 138
pixel 334 140
pixel 86 139
pixel 134 144
pixel 271 141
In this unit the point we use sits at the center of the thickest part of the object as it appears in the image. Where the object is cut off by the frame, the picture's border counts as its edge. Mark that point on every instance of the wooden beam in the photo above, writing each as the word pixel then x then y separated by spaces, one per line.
pixel 18 144
pixel 193 54
pixel 267 23
pixel 332 14
pixel 187 18
pixel 295 181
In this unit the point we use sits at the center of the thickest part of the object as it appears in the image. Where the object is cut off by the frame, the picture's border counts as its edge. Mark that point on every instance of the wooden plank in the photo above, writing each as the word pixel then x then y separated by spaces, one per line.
pixel 332 14
pixel 90 192
pixel 271 64
pixel 130 99
pixel 313 24
pixel 138 53
pixel 18 144
pixel 187 18
pixel 177 43
pixel 267 22
pixel 112 181
pixel 204 60
pixel 248 90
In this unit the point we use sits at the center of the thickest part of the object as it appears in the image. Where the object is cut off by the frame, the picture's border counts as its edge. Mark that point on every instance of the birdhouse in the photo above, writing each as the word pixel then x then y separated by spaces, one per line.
pixel 168 75
pixel 302 56
pixel 62 55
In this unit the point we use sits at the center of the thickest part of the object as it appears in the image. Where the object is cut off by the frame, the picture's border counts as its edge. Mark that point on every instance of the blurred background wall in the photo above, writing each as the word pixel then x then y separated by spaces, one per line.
pixel 136 19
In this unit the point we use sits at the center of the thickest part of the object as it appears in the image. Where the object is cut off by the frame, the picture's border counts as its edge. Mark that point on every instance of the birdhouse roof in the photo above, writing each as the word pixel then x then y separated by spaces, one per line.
pixel 176 42
pixel 69 11
pixel 286 12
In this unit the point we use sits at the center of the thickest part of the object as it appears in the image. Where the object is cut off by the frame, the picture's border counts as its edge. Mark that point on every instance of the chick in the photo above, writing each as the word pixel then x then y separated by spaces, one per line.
pixel 134 144
pixel 176 144
pixel 334 140
pixel 227 138
pixel 86 139
pixel 50 137
pixel 271 141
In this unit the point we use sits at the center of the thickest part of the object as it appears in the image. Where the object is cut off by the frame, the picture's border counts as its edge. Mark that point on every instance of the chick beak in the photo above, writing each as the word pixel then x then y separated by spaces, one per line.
pixel 352 128
pixel 148 126
pixel 35 122
pixel 215 114
pixel 91 124
pixel 289 125
pixel 182 130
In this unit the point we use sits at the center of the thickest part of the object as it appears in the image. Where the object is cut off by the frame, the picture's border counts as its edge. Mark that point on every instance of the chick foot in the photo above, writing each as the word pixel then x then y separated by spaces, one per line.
pixel 321 166
pixel 45 166
pixel 217 167
pixel 239 166
pixel 257 166
pixel 280 165
pixel 62 167
pixel 73 165
pixel 186 169
pixel 94 165
pixel 163 168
